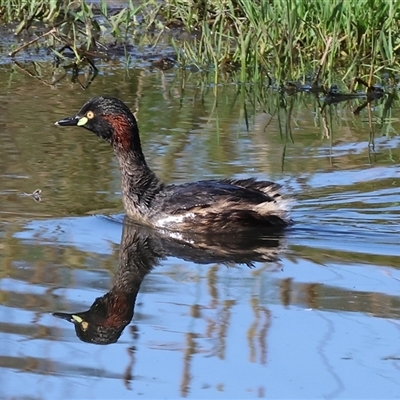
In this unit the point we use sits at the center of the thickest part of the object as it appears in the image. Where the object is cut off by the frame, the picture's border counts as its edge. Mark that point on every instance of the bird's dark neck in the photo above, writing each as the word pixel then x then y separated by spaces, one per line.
pixel 139 183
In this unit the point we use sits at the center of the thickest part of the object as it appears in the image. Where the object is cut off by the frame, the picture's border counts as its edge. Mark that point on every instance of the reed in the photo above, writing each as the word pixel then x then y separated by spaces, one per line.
pixel 255 40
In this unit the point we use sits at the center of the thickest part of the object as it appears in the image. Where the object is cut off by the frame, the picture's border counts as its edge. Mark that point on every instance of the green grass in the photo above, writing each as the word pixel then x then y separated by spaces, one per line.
pixel 286 39
pixel 256 40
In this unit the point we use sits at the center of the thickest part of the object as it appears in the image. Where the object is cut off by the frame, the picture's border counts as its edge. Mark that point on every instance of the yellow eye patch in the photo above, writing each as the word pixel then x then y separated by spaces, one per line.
pixel 82 121
pixel 77 318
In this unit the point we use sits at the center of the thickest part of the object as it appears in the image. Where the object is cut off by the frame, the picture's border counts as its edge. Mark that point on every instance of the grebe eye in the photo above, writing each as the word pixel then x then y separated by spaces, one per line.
pixel 90 114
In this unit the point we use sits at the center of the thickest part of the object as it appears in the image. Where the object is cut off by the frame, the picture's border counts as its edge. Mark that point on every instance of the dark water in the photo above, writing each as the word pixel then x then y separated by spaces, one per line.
pixel 319 321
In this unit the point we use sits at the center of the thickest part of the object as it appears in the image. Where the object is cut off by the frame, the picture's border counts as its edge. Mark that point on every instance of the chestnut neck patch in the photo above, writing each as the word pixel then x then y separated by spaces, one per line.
pixel 124 134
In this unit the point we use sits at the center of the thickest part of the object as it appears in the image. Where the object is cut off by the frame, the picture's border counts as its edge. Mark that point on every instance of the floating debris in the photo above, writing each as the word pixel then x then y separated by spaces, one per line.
pixel 36 195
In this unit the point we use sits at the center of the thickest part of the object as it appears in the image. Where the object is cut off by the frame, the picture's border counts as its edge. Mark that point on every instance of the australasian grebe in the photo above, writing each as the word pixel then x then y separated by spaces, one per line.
pixel 207 206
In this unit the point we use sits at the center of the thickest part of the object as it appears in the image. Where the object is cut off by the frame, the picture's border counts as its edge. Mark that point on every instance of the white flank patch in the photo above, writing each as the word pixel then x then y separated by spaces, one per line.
pixel 166 222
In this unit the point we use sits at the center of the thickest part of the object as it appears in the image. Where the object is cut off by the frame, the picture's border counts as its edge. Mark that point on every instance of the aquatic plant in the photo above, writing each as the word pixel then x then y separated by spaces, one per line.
pixel 256 40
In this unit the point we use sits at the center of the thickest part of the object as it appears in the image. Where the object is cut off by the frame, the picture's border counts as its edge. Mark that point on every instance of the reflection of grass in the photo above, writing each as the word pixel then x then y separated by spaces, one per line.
pixel 258 39
pixel 189 132
pixel 326 256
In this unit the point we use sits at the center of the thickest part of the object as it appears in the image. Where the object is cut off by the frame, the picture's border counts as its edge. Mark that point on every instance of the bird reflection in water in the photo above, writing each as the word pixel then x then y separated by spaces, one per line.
pixel 142 249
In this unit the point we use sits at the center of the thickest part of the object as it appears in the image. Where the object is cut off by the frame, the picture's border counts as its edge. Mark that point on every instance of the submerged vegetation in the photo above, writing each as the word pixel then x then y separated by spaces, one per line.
pixel 258 40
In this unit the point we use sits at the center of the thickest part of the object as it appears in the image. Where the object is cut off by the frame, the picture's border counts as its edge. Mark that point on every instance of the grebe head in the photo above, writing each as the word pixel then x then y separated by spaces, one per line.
pixel 109 118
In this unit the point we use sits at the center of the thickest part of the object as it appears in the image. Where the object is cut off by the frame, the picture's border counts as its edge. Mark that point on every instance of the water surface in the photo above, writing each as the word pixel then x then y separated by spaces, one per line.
pixel 320 318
